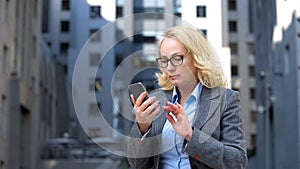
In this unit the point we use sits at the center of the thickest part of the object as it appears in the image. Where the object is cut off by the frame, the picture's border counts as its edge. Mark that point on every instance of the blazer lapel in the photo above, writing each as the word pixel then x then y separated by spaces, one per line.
pixel 209 102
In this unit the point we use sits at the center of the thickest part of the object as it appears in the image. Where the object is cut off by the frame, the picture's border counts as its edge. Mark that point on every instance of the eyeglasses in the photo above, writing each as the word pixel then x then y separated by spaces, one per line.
pixel 175 60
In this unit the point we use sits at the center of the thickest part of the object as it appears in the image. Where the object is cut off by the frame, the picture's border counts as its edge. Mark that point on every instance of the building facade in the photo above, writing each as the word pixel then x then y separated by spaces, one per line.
pixel 241 43
pixel 56 32
pixel 22 88
pixel 91 61
pixel 276 32
pixel 285 84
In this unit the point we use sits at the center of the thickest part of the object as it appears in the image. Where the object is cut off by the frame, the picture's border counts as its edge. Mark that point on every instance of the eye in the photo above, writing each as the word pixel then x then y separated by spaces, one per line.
pixel 163 61
pixel 177 58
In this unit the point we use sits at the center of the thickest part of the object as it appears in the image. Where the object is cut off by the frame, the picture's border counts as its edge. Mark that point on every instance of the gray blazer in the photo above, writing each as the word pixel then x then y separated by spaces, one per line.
pixel 218 139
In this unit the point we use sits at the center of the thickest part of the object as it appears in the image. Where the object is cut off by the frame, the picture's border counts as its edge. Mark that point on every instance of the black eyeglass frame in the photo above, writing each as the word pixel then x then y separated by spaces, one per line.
pixel 170 60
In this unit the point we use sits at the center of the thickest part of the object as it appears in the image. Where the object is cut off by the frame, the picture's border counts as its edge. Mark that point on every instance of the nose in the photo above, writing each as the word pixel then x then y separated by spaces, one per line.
pixel 170 66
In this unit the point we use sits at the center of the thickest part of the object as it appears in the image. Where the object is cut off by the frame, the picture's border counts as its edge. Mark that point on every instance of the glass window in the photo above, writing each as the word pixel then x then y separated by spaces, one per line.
pixel 138 38
pixel 64 48
pixel 95 12
pixel 93 109
pixel 4 59
pixel 6 10
pixel 250 48
pixel 34 47
pixel 252 93
pixel 204 31
pixel 95 35
pixel 45 16
pixel 149 39
pixel 137 61
pixel 233 48
pixel 64 26
pixel 251 71
pixel 234 70
pixel 65 5
pixel 94 132
pixel 98 84
pixel 2 115
pixel 231 5
pixel 95 84
pixel 232 26
pixel 201 11
pixel 236 89
pixel 119 11
pixel 253 116
pixel 286 60
pixel 95 59
pixel 253 140
pixel 250 15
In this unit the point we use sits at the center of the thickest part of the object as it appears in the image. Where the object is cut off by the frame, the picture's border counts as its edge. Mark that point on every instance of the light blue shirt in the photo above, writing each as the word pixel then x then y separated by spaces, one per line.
pixel 173 158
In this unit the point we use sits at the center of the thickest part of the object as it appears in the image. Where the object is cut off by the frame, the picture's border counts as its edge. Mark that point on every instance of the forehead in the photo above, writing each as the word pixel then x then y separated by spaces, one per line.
pixel 171 46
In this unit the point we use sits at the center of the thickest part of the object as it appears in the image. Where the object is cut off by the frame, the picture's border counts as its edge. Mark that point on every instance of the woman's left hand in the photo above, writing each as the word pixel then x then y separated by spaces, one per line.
pixel 181 124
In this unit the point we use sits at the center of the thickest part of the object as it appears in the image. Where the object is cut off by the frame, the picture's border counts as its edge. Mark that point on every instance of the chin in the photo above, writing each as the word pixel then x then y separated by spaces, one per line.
pixel 174 83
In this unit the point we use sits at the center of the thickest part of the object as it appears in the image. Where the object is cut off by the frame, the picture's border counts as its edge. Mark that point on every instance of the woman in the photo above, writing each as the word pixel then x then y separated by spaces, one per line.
pixel 202 125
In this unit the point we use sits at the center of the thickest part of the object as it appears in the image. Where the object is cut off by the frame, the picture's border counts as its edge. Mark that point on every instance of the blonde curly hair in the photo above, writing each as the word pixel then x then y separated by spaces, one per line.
pixel 207 63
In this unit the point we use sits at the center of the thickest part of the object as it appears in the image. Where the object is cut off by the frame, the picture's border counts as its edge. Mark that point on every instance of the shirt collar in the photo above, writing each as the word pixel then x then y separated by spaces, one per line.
pixel 196 93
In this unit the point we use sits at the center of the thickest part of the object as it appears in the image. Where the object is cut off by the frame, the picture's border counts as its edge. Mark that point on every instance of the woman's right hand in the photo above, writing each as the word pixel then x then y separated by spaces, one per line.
pixel 145 111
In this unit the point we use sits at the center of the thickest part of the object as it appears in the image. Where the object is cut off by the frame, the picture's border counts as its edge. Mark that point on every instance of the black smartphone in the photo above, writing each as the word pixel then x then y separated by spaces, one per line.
pixel 136 89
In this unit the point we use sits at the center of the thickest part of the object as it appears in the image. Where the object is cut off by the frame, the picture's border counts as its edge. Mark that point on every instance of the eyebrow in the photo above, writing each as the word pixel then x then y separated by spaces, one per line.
pixel 175 54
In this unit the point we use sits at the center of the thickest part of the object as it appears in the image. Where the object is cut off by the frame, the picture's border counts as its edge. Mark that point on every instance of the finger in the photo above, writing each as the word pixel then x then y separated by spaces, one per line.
pixel 140 99
pixel 177 108
pixel 168 108
pixel 155 112
pixel 148 102
pixel 172 108
pixel 170 118
pixel 178 105
pixel 152 107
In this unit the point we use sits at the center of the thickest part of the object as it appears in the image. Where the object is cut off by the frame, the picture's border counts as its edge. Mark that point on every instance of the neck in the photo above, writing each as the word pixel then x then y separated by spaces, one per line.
pixel 185 92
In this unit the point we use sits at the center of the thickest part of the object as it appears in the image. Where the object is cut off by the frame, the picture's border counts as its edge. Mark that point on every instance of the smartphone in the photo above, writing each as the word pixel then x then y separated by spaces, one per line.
pixel 136 89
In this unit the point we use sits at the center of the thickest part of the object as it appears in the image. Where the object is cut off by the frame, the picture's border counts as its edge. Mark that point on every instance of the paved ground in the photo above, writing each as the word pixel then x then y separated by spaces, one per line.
pixel 81 164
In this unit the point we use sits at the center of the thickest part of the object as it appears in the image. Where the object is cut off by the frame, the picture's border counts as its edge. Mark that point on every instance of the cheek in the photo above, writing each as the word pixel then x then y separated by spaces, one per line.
pixel 190 71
